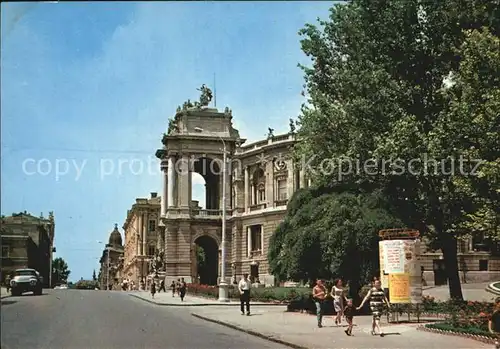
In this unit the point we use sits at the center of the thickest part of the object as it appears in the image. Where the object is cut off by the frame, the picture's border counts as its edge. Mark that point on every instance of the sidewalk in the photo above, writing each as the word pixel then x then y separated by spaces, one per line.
pixel 166 299
pixel 300 331
pixel 471 292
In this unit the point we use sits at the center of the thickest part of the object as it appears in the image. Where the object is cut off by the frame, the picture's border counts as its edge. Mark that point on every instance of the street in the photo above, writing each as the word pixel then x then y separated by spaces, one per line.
pixel 98 319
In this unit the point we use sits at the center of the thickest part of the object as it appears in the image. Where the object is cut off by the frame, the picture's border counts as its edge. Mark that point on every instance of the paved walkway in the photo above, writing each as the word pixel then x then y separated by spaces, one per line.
pixel 471 292
pixel 300 330
pixel 166 299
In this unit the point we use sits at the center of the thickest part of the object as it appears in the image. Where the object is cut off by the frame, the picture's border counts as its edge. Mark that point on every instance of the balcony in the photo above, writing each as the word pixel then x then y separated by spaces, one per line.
pixel 206 213
pixel 258 207
pixel 282 202
pixel 255 253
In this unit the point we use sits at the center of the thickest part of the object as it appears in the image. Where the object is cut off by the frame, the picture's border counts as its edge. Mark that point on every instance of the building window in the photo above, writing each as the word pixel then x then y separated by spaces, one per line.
pixel 151 250
pixel 152 225
pixel 256 237
pixel 483 265
pixel 261 194
pixel 259 185
pixel 282 190
pixel 5 251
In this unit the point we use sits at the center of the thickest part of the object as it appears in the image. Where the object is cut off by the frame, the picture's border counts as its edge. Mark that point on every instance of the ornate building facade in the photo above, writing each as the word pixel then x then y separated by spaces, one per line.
pixel 141 238
pixel 163 234
pixel 260 179
pixel 112 262
pixel 28 242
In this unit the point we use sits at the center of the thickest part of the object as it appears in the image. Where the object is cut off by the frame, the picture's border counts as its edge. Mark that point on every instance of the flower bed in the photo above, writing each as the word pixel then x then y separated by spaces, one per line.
pixel 265 294
pixel 471 331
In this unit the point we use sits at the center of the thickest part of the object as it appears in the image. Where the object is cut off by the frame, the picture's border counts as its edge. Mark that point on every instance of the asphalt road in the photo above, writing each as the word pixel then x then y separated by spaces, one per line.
pixel 74 319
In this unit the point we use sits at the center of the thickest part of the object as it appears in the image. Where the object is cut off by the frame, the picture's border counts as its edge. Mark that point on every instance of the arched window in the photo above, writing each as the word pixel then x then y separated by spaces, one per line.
pixel 259 186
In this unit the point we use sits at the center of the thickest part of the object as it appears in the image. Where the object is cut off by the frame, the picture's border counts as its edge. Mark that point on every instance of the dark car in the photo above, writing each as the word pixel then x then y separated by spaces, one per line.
pixel 26 280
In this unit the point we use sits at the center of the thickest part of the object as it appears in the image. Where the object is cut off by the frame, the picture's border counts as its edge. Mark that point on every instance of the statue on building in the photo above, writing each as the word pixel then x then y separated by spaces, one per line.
pixel 206 96
pixel 270 133
pixel 158 261
pixel 187 105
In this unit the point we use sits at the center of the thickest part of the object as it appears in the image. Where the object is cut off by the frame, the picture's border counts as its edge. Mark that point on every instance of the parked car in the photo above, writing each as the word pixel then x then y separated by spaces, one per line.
pixel 61 287
pixel 26 280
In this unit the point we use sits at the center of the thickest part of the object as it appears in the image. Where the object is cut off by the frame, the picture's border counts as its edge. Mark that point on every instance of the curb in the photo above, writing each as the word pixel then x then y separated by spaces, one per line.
pixel 492 289
pixel 250 332
pixel 476 337
pixel 229 304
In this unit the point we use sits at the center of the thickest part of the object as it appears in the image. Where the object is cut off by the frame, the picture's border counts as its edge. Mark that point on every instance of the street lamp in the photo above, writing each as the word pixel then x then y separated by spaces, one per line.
pixel 107 267
pixel 223 286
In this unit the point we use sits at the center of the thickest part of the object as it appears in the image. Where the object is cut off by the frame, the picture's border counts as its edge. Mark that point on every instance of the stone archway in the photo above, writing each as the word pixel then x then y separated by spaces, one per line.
pixel 207 259
pixel 210 170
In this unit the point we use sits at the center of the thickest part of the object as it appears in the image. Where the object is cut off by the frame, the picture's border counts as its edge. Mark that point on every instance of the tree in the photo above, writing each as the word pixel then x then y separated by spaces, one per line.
pixel 86 284
pixel 94 277
pixel 333 234
pixel 60 271
pixel 379 90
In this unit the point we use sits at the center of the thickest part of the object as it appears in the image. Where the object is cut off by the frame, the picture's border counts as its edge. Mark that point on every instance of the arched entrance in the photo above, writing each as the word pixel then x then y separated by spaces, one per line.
pixel 210 170
pixel 207 260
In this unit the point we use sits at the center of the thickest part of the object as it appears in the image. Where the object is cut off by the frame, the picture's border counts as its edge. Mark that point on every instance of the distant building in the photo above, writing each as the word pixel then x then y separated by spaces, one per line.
pixel 113 251
pixel 478 261
pixel 141 238
pixel 28 242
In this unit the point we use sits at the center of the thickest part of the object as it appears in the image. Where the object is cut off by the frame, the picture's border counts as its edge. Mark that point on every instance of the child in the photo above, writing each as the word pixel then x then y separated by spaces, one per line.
pixel 349 315
pixel 172 287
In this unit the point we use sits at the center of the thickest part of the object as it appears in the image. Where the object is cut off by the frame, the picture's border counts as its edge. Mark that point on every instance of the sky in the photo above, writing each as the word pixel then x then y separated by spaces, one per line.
pixel 87 89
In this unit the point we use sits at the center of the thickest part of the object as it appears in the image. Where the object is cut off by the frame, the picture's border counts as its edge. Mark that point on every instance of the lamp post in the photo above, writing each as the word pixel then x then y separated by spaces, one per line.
pixel 223 286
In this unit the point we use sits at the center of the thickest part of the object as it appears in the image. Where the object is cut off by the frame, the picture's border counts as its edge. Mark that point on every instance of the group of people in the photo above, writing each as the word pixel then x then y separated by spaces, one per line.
pixel 179 288
pixel 344 307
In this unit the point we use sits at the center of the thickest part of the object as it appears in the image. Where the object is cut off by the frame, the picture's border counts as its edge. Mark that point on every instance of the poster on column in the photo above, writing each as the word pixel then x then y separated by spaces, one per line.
pixel 394 259
pixel 399 288
pixel 401 257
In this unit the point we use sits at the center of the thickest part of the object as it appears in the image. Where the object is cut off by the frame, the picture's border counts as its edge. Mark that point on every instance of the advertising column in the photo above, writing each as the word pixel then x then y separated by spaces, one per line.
pixel 400 270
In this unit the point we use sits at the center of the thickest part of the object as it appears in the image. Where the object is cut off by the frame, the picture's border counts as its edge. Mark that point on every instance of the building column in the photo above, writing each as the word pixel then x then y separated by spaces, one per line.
pixel 164 196
pixel 171 181
pixel 183 183
pixel 144 232
pixel 262 239
pixel 245 191
pixel 249 242
pixel 137 229
pixel 254 201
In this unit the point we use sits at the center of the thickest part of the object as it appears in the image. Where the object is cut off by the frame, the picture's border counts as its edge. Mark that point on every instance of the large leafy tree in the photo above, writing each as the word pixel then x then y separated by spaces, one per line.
pixel 379 94
pixel 327 235
pixel 60 271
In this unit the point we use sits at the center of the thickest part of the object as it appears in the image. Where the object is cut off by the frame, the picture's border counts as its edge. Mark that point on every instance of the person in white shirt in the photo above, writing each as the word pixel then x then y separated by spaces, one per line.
pixel 244 287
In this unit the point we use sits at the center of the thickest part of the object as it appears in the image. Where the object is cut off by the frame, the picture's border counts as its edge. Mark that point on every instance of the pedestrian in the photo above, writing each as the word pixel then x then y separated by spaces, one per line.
pixel 162 286
pixel 178 287
pixel 319 294
pixel 7 283
pixel 153 289
pixel 172 287
pixel 349 316
pixel 182 289
pixel 494 322
pixel 337 294
pixel 377 298
pixel 244 287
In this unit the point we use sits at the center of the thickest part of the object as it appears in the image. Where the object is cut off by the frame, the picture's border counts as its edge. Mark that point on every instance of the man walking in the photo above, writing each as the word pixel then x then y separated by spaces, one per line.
pixel 319 294
pixel 244 287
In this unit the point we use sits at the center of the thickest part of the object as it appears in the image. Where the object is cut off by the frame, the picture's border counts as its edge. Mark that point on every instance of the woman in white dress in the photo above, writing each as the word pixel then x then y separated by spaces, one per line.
pixel 338 300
